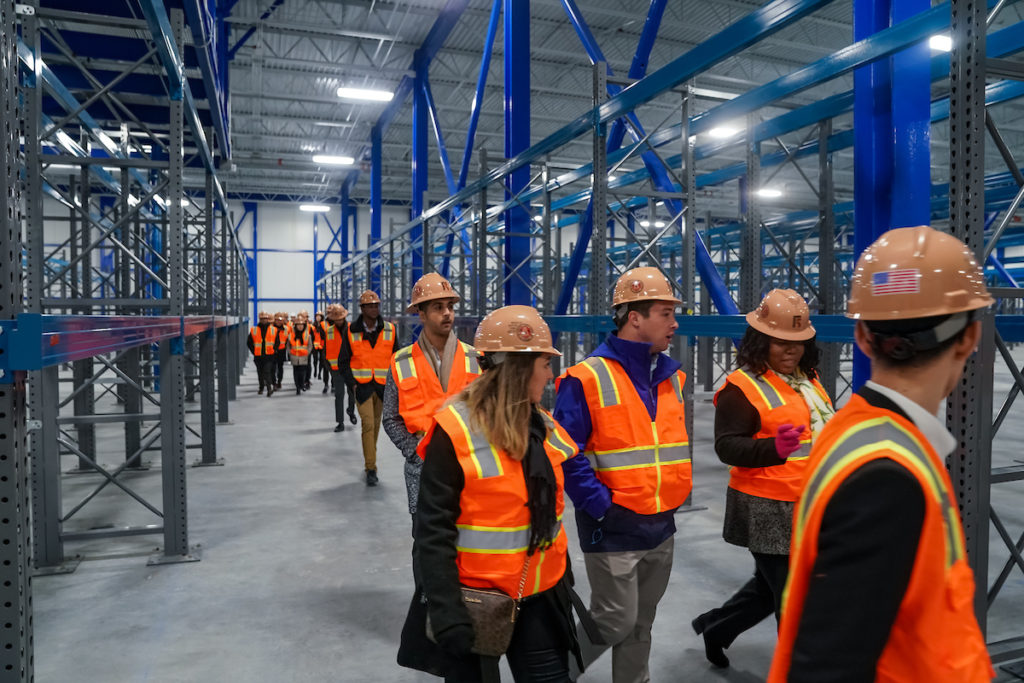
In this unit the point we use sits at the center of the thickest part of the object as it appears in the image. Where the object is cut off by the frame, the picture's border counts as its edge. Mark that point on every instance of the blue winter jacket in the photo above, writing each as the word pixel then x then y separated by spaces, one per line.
pixel 604 527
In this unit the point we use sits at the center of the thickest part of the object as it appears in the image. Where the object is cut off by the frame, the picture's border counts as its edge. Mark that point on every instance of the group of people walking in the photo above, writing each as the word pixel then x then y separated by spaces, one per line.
pixel 849 515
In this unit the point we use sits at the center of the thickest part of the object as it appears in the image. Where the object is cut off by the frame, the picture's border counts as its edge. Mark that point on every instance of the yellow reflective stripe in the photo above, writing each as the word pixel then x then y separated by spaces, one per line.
pixel 760 386
pixel 561 445
pixel 608 391
pixel 636 458
pixel 496 540
pixel 487 467
pixel 472 365
pixel 405 366
pixel 657 468
pixel 677 384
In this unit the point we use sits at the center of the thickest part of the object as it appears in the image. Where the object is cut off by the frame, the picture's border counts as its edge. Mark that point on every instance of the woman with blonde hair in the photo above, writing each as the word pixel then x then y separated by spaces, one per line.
pixel 489 515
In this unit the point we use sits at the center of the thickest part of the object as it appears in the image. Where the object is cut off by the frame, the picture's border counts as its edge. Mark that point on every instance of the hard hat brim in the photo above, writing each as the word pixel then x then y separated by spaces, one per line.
pixel 758 324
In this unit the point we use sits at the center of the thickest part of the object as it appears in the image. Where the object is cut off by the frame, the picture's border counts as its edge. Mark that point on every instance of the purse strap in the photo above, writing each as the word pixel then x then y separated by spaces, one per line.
pixel 522 579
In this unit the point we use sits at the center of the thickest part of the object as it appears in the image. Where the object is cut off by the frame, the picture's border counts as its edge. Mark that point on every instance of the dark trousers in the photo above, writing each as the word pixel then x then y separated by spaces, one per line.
pixel 265 368
pixel 301 374
pixel 339 396
pixel 326 368
pixel 538 653
pixel 315 362
pixel 759 598
pixel 280 367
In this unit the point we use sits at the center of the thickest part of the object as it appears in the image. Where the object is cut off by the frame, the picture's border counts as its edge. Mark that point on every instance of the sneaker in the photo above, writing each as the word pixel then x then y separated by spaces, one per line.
pixel 340 427
pixel 371 477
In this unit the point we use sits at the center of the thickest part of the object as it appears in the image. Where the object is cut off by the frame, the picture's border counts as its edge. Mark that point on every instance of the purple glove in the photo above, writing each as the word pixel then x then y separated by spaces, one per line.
pixel 787 440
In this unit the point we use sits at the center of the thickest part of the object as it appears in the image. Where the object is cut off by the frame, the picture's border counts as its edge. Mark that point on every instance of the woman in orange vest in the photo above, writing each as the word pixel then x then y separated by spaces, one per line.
pixel 300 345
pixel 490 513
pixel 318 344
pixel 262 343
pixel 879 586
pixel 767 414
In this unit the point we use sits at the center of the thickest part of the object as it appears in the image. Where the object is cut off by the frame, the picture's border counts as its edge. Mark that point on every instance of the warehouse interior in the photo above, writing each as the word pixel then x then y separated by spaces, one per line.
pixel 175 166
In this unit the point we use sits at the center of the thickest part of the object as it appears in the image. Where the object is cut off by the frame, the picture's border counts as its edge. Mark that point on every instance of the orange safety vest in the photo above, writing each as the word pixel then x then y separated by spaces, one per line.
pixel 282 337
pixel 300 344
pixel 777 403
pixel 332 343
pixel 419 389
pixel 318 328
pixel 370 363
pixel 646 464
pixel 935 636
pixel 494 520
pixel 257 340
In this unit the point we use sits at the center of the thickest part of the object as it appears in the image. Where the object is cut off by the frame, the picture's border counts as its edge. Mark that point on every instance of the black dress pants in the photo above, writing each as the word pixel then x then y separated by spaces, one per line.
pixel 265 368
pixel 538 653
pixel 301 373
pixel 280 358
pixel 339 396
pixel 759 598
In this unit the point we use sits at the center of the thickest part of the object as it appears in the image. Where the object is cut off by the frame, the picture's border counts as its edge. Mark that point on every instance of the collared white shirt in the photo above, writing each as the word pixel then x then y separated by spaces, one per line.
pixel 933 429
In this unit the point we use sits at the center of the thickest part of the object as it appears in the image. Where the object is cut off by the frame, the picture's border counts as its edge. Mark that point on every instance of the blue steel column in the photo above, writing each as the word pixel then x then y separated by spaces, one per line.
pixel 517 139
pixel 891 148
pixel 419 158
pixel 375 196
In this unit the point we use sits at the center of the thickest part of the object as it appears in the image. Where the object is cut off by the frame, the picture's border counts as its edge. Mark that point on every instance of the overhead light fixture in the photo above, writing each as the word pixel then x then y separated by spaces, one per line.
pixel 645 224
pixel 314 208
pixel 366 94
pixel 185 202
pixel 769 193
pixel 333 160
pixel 722 132
pixel 940 43
pixel 659 224
pixel 160 200
pixel 333 124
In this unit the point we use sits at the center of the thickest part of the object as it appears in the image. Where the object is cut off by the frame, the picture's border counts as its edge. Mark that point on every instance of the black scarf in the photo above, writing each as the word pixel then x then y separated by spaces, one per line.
pixel 541 488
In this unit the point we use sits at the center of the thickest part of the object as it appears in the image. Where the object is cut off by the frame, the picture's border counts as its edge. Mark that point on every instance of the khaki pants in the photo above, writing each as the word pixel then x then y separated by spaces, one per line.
pixel 370 413
pixel 625 588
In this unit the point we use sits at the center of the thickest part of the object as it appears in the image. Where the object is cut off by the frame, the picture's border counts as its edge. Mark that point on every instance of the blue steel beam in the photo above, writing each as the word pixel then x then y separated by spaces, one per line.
pixel 206 41
pixel 248 34
pixel 478 96
pixel 376 177
pixel 420 153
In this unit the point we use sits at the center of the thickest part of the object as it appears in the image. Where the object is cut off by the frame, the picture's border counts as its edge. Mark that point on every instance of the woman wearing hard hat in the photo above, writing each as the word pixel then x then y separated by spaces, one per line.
pixel 490 510
pixel 767 414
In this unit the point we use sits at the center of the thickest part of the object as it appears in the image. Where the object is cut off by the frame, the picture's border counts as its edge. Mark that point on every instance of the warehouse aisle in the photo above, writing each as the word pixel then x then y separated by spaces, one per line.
pixel 305 572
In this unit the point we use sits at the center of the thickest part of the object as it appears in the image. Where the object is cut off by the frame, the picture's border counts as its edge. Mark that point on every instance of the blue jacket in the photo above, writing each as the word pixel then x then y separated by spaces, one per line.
pixel 604 527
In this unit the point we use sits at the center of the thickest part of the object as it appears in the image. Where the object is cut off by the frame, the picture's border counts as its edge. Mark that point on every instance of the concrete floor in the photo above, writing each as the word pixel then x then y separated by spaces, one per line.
pixel 305 572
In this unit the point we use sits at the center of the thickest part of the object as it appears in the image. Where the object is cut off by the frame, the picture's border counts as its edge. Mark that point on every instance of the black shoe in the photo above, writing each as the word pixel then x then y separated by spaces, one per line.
pixel 371 477
pixel 298 391
pixel 712 649
pixel 352 416
pixel 270 391
pixel 277 386
pixel 340 427
pixel 324 391
pixel 261 391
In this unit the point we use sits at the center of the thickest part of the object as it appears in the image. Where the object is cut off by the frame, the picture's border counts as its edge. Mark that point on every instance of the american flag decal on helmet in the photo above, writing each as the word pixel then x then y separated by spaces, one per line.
pixel 903 281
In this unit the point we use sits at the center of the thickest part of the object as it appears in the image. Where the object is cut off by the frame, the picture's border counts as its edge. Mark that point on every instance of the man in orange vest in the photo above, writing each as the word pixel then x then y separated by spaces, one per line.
pixel 281 323
pixel 364 360
pixel 623 406
pixel 335 329
pixel 879 586
pixel 425 373
pixel 300 346
pixel 262 343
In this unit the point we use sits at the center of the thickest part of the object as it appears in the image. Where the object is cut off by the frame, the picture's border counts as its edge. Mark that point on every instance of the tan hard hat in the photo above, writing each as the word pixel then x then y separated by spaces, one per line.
pixel 368 297
pixel 303 313
pixel 280 316
pixel 516 329
pixel 782 314
pixel 643 284
pixel 916 273
pixel 430 287
pixel 263 315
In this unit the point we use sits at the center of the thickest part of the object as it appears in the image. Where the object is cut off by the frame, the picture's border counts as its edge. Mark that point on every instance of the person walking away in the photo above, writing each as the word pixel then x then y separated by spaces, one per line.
pixel 335 331
pixel 300 344
pixel 423 375
pixel 491 500
pixel 364 360
pixel 262 343
pixel 623 407
pixel 879 586
pixel 767 415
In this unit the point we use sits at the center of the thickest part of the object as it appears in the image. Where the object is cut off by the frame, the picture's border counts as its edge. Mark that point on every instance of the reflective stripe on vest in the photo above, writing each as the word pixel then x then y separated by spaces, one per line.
pixel 493 538
pixel 300 344
pixel 332 343
pixel 883 434
pixel 370 363
pixel 647 470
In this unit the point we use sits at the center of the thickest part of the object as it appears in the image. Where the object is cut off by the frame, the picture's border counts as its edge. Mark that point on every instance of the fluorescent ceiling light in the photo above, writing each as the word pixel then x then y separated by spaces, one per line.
pixel 333 124
pixel 314 208
pixel 940 43
pixel 769 193
pixel 333 160
pixel 365 94
pixel 185 202
pixel 722 132
pixel 645 224
pixel 659 224
pixel 160 200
